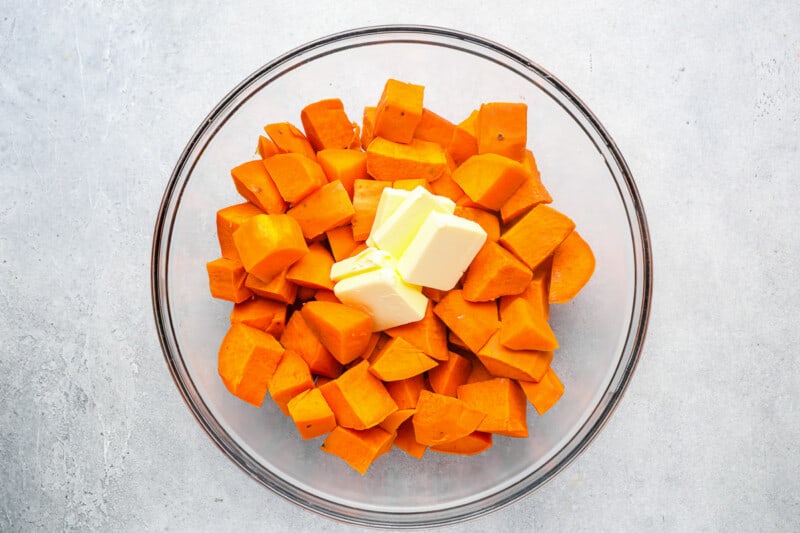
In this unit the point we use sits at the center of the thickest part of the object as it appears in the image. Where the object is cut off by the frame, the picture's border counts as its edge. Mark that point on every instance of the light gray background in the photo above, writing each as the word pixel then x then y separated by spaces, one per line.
pixel 96 102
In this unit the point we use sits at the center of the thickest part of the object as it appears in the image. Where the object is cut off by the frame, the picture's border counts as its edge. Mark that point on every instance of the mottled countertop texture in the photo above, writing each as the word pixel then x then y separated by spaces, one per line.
pixel 96 102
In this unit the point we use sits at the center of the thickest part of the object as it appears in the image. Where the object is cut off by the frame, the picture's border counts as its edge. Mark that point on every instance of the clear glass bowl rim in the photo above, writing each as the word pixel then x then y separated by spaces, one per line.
pixel 574 447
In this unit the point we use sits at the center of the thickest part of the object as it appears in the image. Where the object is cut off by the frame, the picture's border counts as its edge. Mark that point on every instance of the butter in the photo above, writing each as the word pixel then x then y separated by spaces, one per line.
pixel 384 296
pixel 440 252
pixel 396 231
pixel 364 261
pixel 389 202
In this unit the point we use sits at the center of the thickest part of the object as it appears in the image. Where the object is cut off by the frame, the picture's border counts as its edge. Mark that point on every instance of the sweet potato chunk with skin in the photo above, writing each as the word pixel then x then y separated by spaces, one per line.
pixel 573 266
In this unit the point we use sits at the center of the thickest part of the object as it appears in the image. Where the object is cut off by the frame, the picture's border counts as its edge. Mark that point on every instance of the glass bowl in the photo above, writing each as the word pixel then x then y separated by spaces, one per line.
pixel 600 332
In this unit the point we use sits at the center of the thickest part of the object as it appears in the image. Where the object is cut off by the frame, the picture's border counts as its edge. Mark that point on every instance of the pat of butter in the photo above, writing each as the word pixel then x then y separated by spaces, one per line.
pixel 384 296
pixel 389 202
pixel 441 251
pixel 364 261
pixel 397 231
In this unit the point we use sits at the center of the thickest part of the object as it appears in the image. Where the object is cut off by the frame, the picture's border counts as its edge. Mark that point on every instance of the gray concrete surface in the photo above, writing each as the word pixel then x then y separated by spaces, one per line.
pixel 96 102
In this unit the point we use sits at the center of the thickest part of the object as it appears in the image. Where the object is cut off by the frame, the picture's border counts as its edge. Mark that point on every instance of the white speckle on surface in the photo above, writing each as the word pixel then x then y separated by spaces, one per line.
pixel 97 100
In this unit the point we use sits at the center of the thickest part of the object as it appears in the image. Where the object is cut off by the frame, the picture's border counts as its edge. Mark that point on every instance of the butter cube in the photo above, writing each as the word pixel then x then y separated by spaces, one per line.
pixel 364 261
pixel 389 202
pixel 397 231
pixel 384 296
pixel 441 251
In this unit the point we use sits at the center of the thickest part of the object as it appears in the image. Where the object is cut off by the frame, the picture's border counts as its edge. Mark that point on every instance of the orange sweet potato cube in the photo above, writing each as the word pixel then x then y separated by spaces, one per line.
pixel 359 449
pixel 311 414
pixel 490 180
pixel 544 394
pixel 472 322
pixel 226 279
pixel 503 402
pixel 343 165
pixel 261 313
pixel 295 175
pixel 326 208
pixel 502 128
pixel 288 139
pixel 299 338
pixel 313 269
pixel 391 161
pixel 254 183
pixel 535 236
pixel 493 273
pixel 247 361
pixel 446 377
pixel 399 111
pixel 473 444
pixel 440 419
pixel 358 399
pixel 326 124
pixel 228 220
pixel 345 331
pixel 291 377
pixel 268 244
pixel 528 365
